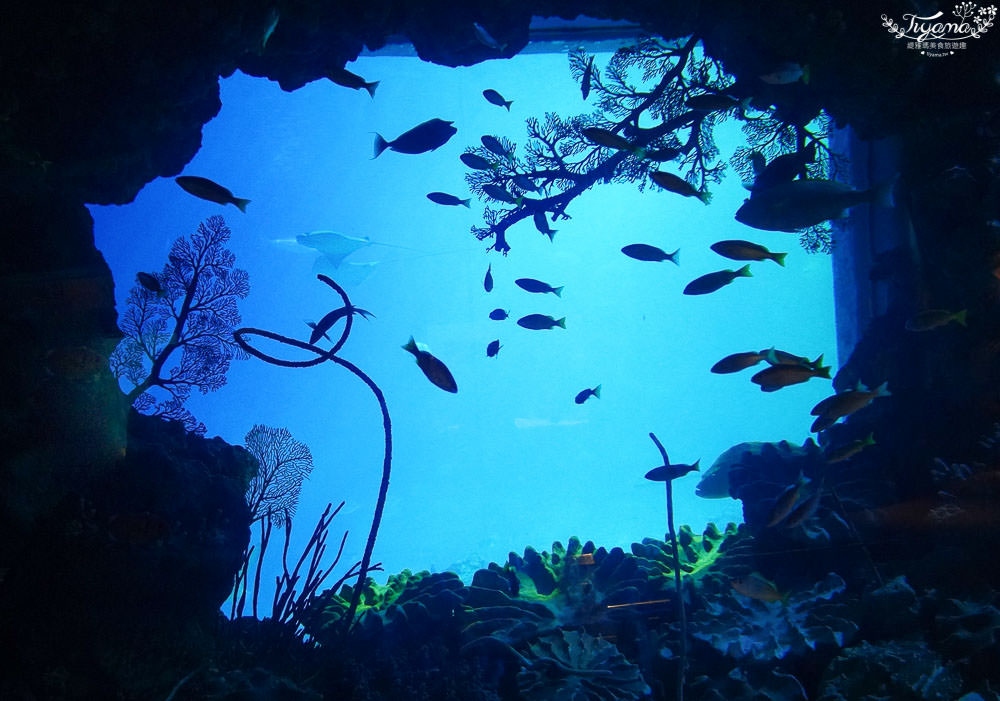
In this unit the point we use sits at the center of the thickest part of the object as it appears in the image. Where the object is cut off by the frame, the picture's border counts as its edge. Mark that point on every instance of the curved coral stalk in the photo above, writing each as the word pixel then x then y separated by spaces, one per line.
pixel 322 356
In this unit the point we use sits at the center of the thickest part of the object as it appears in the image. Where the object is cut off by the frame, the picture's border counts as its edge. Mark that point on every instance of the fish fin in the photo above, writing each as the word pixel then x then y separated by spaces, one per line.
pixel 960 316
pixel 805 74
pixel 370 87
pixel 870 438
pixel 779 258
pixel 771 357
pixel 823 371
pixel 597 391
pixel 705 196
pixel 465 203
pixel 241 204
pixel 557 291
pixel 551 233
pixel 380 145
pixel 697 465
pixel 744 271
pixel 508 103
pixel 561 322
pixel 882 194
pixel 883 390
pixel 675 257
pixel 411 346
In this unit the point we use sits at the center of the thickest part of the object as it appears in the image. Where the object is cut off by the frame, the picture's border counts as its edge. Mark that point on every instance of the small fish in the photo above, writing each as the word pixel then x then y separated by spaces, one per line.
pixel 493 348
pixel 426 136
pixel 540 322
pixel 525 183
pixel 211 191
pixel 272 22
pixel 754 586
pixel 344 78
pixel 435 371
pixel 542 224
pixel 537 286
pixel 799 204
pixel 609 139
pixel 669 181
pixel 785 502
pixel 585 81
pixel 499 314
pixel 736 249
pixel 805 509
pixel 777 376
pixel 782 169
pixel 495 98
pixel 663 154
pixel 849 450
pixel 714 281
pixel 150 283
pixel 312 325
pixel 934 318
pixel 779 357
pixel 477 162
pixel 487 40
pixel 785 73
pixel 586 394
pixel 581 559
pixel 488 280
pixel 642 251
pixel 671 471
pixel 445 198
pixel 493 145
pixel 712 102
pixel 327 322
pixel 737 362
pixel 843 404
pixel 498 193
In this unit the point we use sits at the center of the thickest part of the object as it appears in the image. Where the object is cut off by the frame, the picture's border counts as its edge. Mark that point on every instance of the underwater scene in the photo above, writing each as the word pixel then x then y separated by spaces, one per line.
pixel 396 353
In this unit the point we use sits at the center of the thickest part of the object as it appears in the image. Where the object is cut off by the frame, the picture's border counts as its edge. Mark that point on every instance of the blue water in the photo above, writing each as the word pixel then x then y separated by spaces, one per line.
pixel 510 460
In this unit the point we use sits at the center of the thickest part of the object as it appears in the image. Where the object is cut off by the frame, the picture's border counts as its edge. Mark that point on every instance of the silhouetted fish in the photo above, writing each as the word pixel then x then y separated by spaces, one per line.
pixel 737 362
pixel 211 191
pixel 585 81
pixel 445 198
pixel 609 139
pixel 537 286
pixel 327 322
pixel 785 73
pixel 488 280
pixel 586 394
pixel 436 371
pixel 782 169
pixel 669 181
pixel 642 251
pixel 714 281
pixel 831 409
pixel 493 348
pixel 477 162
pixel 850 449
pixel 422 138
pixel 542 224
pixel 933 318
pixel 799 204
pixel 343 77
pixel 495 98
pixel 777 376
pixel 540 322
pixel 498 193
pixel 499 314
pixel 671 471
pixel 785 502
pixel 150 283
pixel 493 145
pixel 525 183
pixel 737 249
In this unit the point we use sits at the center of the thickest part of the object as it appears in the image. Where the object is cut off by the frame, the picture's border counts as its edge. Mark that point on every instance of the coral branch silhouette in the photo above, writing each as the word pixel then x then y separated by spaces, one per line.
pixel 323 356
pixel 282 464
pixel 190 311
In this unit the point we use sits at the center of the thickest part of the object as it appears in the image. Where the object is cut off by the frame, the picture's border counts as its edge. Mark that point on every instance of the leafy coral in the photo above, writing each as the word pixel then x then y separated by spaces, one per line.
pixel 895 670
pixel 750 629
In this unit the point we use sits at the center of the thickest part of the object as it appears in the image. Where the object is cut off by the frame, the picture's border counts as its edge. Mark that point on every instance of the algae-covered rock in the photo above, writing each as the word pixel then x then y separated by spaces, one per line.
pixel 904 670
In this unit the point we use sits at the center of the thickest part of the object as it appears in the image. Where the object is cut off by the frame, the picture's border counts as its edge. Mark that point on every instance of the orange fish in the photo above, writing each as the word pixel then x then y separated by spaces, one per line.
pixel 786 501
pixel 754 586
pixel 737 362
pixel 843 404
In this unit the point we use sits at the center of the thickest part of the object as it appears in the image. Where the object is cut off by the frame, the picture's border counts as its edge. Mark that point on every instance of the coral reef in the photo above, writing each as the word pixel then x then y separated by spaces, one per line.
pixel 896 670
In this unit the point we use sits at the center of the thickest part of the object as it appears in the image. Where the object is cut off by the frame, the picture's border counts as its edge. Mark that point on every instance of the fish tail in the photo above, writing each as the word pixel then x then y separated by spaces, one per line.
pixel 370 87
pixel 507 104
pixel 883 390
pixel 779 258
pixel 410 346
pixel 465 203
pixel 805 74
pixel 870 439
pixel 744 271
pixel 241 204
pixel 705 196
pixel 745 103
pixel 960 316
pixel 557 291
pixel 561 323
pixel 597 391
pixel 380 145
pixel 675 257
pixel 551 233
pixel 823 371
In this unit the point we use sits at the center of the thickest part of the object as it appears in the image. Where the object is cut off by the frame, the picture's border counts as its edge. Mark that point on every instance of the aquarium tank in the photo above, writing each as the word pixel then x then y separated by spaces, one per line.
pixel 501 353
